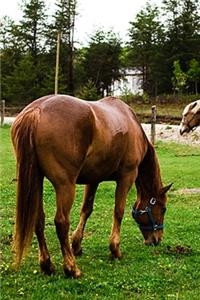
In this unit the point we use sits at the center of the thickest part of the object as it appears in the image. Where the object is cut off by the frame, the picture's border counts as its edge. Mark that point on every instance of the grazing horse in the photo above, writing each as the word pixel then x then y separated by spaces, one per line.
pixel 191 117
pixel 72 141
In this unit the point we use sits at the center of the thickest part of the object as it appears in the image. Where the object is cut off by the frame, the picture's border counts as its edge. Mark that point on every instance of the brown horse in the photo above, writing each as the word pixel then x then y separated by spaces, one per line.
pixel 72 141
pixel 191 117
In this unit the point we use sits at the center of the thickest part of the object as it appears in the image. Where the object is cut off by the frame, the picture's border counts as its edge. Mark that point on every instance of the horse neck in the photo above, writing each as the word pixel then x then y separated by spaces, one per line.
pixel 148 182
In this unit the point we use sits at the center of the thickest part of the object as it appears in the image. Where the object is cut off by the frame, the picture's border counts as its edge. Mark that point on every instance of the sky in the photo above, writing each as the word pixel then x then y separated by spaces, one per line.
pixel 93 14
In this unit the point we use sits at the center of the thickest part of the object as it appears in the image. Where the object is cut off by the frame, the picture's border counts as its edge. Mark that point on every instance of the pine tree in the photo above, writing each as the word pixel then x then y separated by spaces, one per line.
pixel 102 60
pixel 146 43
pixel 65 24
pixel 33 27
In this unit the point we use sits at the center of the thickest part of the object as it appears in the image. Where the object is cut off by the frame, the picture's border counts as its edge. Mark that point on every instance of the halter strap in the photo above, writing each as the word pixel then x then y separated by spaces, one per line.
pixel 154 226
pixel 188 124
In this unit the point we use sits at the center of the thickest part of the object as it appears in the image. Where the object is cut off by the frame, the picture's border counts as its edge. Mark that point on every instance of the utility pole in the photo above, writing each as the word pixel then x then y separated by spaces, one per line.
pixel 57 62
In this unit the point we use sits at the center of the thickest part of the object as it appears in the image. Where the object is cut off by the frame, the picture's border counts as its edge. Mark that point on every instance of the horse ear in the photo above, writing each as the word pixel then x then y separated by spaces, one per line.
pixel 165 189
pixel 193 105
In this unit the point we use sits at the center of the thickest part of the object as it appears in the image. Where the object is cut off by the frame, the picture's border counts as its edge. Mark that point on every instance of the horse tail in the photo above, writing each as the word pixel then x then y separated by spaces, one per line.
pixel 29 180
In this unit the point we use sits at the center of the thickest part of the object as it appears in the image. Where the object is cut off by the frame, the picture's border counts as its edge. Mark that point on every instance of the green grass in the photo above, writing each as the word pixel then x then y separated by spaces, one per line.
pixel 171 109
pixel 160 272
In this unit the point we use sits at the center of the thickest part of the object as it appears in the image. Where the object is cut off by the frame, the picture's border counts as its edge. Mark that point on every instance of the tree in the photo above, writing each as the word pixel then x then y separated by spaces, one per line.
pixel 11 45
pixel 102 60
pixel 65 24
pixel 179 79
pixel 146 42
pixel 194 73
pixel 22 54
pixel 18 86
pixel 183 32
pixel 88 91
pixel 33 27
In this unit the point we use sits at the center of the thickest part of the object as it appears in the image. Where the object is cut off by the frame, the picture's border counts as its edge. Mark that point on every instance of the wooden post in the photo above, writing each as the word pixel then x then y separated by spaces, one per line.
pixel 153 123
pixel 2 112
pixel 57 62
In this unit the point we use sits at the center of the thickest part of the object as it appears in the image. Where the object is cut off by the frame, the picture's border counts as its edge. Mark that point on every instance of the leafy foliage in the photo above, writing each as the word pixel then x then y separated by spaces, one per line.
pixel 88 91
pixel 180 78
pixel 194 73
pixel 102 60
pixel 155 46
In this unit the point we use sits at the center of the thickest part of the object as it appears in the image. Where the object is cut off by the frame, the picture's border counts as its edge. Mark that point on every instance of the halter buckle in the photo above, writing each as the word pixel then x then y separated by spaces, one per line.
pixel 152 201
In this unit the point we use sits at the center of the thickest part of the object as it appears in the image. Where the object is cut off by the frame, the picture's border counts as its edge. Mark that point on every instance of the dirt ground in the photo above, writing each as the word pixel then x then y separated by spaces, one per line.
pixel 166 132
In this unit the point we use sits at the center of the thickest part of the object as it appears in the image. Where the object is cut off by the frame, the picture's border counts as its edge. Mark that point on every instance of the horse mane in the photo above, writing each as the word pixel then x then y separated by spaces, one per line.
pixel 148 182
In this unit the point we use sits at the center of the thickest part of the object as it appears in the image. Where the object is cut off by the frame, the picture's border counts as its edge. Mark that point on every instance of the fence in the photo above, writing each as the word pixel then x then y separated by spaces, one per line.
pixel 2 112
pixel 5 110
pixel 153 123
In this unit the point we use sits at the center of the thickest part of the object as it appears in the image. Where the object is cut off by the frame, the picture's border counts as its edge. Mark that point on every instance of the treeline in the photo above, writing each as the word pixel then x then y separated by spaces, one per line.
pixel 164 43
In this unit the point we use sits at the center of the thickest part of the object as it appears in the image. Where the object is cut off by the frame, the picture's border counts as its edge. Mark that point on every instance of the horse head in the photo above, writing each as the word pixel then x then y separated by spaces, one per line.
pixel 149 214
pixel 191 117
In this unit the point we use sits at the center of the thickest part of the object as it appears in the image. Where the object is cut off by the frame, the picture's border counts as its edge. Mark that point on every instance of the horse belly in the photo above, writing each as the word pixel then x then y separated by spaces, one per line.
pixel 95 174
pixel 99 167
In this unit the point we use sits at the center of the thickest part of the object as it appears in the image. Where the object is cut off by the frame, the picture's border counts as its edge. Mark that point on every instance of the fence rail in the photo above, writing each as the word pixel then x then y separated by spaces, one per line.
pixel 153 118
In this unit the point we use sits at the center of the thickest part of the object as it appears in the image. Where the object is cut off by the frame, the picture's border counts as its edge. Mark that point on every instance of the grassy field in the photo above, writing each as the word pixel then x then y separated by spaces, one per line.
pixel 168 271
pixel 166 112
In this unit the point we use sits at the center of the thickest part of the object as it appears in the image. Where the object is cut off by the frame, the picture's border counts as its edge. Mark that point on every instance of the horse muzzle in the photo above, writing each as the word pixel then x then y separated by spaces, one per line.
pixel 184 129
pixel 153 240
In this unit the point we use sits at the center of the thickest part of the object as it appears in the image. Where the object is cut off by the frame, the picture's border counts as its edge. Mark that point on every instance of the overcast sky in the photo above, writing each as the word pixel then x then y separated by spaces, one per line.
pixel 93 14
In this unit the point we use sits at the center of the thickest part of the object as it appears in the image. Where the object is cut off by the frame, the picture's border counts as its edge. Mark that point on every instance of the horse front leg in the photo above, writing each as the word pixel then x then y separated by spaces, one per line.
pixel 86 210
pixel 122 189
pixel 64 198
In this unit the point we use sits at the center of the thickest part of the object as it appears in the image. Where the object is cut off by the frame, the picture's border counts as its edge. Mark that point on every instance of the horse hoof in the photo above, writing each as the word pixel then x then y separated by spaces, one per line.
pixel 47 267
pixel 115 252
pixel 75 273
pixel 115 256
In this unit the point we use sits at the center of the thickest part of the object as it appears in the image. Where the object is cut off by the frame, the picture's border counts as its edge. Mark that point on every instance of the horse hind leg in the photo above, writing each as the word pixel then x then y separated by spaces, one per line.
pixel 44 258
pixel 64 197
pixel 86 210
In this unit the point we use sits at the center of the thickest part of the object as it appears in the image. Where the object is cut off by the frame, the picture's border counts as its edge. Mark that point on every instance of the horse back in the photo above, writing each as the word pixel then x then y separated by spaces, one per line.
pixel 86 141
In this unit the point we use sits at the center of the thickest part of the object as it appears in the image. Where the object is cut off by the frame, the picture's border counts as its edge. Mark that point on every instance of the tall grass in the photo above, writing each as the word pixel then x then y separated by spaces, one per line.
pixel 168 271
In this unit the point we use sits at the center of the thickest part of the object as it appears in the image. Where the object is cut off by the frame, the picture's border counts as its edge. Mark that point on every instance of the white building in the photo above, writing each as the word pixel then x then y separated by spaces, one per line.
pixel 130 83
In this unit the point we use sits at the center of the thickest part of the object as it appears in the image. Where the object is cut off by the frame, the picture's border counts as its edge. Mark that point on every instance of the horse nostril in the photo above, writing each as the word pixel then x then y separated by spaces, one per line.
pixel 156 241
pixel 148 242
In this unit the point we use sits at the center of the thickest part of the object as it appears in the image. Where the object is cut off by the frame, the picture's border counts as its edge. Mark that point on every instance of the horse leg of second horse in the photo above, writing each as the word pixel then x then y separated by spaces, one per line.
pixel 86 210
pixel 122 189
pixel 64 197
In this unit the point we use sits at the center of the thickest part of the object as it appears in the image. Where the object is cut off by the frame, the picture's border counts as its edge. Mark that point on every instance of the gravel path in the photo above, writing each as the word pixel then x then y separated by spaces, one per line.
pixel 164 132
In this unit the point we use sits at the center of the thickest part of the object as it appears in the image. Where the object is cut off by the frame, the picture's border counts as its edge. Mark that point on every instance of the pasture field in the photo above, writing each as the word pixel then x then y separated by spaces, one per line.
pixel 168 271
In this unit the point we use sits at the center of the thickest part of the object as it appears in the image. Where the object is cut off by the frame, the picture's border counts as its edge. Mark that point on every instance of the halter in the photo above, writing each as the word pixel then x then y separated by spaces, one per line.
pixel 188 124
pixel 154 226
